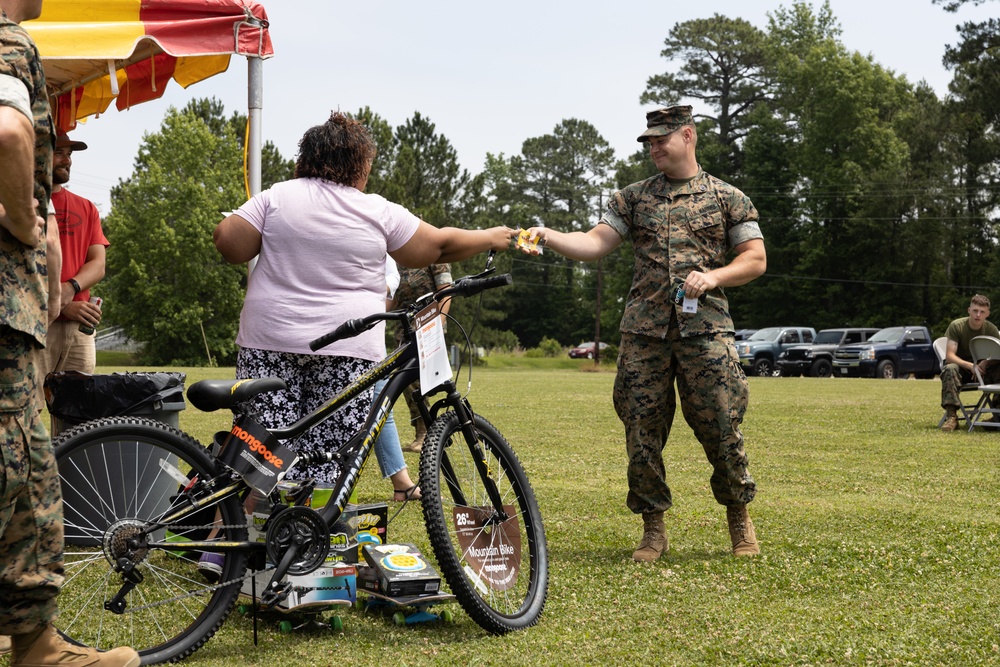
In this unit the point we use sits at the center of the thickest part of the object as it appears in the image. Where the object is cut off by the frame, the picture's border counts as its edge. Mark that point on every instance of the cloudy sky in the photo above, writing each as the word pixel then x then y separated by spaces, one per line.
pixel 489 75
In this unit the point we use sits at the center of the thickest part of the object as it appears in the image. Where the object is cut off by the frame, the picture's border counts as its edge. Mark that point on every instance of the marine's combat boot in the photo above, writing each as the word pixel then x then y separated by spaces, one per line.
pixel 950 422
pixel 46 647
pixel 654 538
pixel 741 531
pixel 418 440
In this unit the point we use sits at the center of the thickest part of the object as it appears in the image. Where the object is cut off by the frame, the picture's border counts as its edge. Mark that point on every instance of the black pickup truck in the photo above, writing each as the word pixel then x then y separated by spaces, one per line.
pixel 816 359
pixel 890 353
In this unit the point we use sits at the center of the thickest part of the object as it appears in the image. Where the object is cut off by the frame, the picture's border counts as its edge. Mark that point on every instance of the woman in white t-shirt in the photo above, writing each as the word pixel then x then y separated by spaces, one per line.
pixel 321 245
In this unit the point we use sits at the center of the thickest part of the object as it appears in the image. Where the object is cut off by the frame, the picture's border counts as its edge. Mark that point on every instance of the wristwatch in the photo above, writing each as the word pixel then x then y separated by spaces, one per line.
pixel 76 285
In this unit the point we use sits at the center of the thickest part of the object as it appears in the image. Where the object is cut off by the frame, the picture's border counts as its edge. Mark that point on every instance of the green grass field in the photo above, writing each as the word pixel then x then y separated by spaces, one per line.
pixel 880 538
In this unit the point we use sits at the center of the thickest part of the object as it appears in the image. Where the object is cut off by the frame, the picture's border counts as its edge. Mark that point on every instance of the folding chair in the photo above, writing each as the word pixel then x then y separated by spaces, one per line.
pixel 964 409
pixel 984 348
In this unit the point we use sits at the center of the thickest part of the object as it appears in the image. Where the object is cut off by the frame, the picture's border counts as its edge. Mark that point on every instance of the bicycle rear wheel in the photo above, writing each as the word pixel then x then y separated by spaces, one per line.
pixel 497 569
pixel 117 474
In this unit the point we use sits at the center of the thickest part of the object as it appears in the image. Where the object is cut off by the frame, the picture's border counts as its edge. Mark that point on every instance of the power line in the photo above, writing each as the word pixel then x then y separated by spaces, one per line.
pixel 782 276
pixel 875 282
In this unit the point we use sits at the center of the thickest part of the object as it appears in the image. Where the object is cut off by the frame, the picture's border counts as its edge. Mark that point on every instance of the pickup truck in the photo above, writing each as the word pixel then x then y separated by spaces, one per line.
pixel 759 352
pixel 890 353
pixel 816 359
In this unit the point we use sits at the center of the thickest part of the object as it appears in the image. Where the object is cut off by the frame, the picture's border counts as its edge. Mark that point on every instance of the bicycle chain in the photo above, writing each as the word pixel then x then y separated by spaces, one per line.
pixel 173 527
pixel 200 591
pixel 240 580
pixel 221 584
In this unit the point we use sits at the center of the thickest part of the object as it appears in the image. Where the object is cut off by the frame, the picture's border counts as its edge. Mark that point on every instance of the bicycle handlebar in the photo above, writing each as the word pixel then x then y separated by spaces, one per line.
pixel 474 285
pixel 348 329
pixel 468 286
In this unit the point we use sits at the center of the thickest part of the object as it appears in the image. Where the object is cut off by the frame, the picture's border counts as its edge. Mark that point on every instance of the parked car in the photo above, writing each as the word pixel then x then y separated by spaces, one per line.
pixel 585 350
pixel 759 352
pixel 816 358
pixel 890 353
pixel 743 334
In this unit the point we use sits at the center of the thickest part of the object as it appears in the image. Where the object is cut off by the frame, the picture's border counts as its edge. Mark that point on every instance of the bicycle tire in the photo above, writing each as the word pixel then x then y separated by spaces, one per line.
pixel 483 562
pixel 120 472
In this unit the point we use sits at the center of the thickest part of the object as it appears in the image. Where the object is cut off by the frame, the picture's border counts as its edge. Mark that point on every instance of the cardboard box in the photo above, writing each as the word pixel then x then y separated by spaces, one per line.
pixel 399 570
pixel 326 584
pixel 330 585
pixel 336 580
pixel 370 524
pixel 367 579
pixel 343 539
pixel 342 534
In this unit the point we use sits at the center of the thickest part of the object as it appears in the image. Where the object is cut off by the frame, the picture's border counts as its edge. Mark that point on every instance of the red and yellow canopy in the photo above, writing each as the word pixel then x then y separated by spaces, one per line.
pixel 145 43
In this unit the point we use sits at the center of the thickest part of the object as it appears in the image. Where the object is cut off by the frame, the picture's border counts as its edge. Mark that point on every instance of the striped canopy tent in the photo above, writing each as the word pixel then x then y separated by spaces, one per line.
pixel 98 51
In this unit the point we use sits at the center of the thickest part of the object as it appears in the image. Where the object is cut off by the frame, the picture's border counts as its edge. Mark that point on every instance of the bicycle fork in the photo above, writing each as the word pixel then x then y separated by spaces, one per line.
pixel 466 422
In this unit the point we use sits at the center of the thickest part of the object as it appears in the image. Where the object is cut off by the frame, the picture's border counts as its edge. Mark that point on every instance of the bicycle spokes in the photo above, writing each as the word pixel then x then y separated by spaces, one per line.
pixel 491 549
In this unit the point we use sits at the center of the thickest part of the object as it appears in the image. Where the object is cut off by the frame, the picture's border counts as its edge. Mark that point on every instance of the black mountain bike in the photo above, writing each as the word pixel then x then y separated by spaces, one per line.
pixel 143 501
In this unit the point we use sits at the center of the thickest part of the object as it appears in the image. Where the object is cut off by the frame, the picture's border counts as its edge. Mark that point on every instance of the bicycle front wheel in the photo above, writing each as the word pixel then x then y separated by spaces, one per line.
pixel 496 564
pixel 118 474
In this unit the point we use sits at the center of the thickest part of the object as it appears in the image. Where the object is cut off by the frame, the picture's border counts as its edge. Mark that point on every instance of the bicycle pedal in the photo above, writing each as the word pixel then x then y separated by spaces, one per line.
pixel 277 592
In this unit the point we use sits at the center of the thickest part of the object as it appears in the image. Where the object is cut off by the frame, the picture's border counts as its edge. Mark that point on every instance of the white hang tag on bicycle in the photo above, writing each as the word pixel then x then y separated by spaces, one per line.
pixel 431 348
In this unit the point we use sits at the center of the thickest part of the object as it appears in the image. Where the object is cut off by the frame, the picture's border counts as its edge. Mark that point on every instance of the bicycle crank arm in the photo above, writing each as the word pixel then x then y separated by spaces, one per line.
pixel 276 588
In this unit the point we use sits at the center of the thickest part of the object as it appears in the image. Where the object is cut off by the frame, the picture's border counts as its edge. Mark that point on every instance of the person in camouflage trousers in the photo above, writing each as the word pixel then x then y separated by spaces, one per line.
pixel 413 284
pixel 957 368
pixel 676 327
pixel 31 534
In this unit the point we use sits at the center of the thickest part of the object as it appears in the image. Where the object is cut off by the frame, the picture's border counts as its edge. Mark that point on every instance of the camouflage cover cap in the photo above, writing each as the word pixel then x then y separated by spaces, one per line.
pixel 664 121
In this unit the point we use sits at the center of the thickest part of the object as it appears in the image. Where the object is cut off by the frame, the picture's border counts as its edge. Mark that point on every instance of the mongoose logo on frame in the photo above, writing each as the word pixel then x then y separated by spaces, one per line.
pixel 256 445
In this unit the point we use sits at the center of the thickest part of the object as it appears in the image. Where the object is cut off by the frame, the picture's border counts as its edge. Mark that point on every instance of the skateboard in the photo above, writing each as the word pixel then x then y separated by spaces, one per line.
pixel 420 605
pixel 306 599
pixel 307 616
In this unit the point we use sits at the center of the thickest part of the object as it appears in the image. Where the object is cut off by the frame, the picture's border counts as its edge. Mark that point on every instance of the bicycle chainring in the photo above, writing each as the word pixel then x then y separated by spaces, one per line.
pixel 301 526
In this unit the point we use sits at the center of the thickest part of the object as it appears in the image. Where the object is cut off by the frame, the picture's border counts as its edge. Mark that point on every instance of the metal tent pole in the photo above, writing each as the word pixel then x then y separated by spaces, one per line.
pixel 255 105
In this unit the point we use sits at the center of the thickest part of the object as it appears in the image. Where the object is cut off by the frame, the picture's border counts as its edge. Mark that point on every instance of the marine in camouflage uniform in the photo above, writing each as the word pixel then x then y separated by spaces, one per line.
pixel 413 284
pixel 682 223
pixel 676 230
pixel 31 521
pixel 957 368
pixel 31 537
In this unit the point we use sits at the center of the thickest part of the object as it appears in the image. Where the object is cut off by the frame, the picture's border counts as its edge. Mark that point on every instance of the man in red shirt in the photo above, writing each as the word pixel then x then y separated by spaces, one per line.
pixel 83 248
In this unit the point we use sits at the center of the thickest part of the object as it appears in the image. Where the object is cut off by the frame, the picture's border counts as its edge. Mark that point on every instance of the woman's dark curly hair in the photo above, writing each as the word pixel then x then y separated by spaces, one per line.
pixel 339 150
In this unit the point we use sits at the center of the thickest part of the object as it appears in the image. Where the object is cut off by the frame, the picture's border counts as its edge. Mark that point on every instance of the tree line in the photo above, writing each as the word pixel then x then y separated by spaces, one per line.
pixel 878 198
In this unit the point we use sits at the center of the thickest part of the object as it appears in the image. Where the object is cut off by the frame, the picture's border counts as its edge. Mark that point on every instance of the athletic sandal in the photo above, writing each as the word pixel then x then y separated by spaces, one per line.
pixel 404 495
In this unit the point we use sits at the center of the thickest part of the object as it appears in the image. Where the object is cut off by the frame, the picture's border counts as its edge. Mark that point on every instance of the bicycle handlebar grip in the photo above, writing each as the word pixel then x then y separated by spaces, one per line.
pixel 476 285
pixel 348 329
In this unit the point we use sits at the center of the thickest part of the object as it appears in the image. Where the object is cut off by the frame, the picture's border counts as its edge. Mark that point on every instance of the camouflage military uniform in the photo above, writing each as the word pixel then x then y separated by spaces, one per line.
pixel 952 375
pixel 413 284
pixel 31 537
pixel 675 230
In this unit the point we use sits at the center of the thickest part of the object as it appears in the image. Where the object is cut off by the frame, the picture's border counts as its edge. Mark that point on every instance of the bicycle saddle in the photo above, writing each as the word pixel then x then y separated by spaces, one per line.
pixel 211 395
